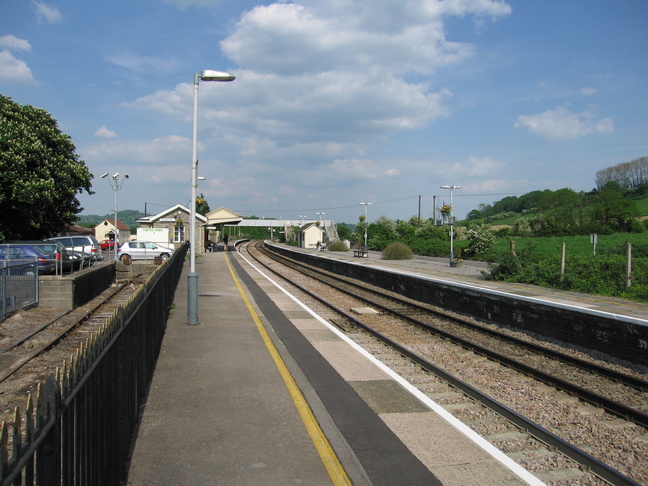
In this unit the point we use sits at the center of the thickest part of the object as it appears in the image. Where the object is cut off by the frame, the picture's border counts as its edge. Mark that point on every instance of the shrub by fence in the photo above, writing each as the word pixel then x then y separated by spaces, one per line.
pixel 78 429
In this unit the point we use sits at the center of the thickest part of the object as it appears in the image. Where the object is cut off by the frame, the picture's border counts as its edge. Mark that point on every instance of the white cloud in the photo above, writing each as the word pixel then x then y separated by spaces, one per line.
pixel 182 4
pixel 47 12
pixel 588 91
pixel 502 186
pixel 104 132
pixel 562 124
pixel 159 151
pixel 477 167
pixel 315 37
pixel 135 62
pixel 14 43
pixel 319 85
pixel 334 114
pixel 14 70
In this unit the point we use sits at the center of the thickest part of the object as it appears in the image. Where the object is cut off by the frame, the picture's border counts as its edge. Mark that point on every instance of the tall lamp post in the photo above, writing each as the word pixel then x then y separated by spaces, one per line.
pixel 366 225
pixel 452 188
pixel 116 183
pixel 192 280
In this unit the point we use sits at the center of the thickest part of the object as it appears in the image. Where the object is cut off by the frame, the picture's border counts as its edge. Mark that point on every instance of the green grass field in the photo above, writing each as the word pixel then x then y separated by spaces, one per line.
pixel 578 245
pixel 641 204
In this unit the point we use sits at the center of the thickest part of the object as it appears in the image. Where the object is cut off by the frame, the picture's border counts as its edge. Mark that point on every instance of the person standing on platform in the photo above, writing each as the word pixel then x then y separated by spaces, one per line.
pixel 225 240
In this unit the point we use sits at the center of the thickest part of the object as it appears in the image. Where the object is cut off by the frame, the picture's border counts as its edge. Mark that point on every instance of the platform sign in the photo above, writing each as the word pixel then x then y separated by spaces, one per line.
pixel 156 235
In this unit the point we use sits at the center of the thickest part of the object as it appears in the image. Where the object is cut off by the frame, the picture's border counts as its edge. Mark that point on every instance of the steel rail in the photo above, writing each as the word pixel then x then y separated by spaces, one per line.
pixel 20 363
pixel 612 406
pixel 623 378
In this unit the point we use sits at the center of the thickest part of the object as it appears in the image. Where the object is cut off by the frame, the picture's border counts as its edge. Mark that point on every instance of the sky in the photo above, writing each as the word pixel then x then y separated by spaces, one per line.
pixel 335 102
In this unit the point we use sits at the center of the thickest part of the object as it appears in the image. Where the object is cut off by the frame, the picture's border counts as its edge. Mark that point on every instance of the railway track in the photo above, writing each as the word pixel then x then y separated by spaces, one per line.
pixel 40 346
pixel 559 396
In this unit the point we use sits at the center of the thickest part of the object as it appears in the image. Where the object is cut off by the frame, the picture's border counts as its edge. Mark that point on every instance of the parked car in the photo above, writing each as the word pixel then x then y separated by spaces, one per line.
pixel 87 246
pixel 107 245
pixel 143 250
pixel 68 260
pixel 30 257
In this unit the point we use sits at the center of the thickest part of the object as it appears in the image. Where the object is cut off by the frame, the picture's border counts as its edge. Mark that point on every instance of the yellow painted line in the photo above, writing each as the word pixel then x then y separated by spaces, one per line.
pixel 324 449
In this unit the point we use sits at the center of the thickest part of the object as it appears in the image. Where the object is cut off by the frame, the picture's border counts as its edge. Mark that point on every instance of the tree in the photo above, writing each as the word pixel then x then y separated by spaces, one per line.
pixel 40 174
pixel 560 205
pixel 628 174
pixel 612 209
pixel 202 206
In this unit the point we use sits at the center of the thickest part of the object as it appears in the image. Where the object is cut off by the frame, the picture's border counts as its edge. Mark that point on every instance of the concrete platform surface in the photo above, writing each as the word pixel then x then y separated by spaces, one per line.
pixel 221 409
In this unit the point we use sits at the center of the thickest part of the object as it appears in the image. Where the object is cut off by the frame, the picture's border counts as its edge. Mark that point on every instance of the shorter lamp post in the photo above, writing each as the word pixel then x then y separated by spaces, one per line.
pixel 366 225
pixel 320 217
pixel 452 188
pixel 116 183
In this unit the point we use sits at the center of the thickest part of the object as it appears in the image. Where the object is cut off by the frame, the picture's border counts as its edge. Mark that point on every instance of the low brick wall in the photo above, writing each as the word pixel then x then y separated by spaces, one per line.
pixel 73 290
pixel 625 338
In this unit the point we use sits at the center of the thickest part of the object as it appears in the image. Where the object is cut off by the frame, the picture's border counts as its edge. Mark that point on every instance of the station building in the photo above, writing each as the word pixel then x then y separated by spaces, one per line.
pixel 215 224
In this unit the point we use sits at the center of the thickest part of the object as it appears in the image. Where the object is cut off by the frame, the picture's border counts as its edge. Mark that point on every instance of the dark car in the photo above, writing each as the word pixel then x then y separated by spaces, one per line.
pixel 66 260
pixel 87 246
pixel 27 259
pixel 69 260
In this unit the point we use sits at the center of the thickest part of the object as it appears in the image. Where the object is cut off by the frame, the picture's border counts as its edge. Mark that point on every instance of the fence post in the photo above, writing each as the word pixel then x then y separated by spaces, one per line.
pixel 629 267
pixel 562 259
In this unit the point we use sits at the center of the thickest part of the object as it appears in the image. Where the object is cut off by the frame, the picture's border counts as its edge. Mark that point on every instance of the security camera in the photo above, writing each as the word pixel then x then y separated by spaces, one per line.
pixel 115 175
pixel 125 176
pixel 105 175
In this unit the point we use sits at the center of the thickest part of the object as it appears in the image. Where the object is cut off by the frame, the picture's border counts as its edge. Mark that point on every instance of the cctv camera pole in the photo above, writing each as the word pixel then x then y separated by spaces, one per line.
pixel 116 227
pixel 116 186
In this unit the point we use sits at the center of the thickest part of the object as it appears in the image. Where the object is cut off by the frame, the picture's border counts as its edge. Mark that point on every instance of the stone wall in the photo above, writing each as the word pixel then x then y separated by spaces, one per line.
pixel 73 290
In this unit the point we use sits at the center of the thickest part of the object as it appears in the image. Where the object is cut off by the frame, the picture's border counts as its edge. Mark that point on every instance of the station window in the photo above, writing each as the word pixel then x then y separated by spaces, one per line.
pixel 178 234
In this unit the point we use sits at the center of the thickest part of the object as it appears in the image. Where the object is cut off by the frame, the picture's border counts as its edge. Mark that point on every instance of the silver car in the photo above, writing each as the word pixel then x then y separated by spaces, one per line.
pixel 87 246
pixel 143 250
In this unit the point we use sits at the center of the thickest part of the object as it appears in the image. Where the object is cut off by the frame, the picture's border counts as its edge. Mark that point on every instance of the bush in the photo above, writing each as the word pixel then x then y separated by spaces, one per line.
pixel 602 274
pixel 482 239
pixel 431 247
pixel 397 251
pixel 503 232
pixel 338 246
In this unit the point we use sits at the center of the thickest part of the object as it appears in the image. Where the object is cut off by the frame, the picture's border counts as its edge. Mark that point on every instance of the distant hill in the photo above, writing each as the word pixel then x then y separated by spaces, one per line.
pixel 128 216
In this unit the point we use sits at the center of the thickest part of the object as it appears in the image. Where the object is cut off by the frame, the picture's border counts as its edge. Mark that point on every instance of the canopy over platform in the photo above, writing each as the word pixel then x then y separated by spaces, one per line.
pixel 222 216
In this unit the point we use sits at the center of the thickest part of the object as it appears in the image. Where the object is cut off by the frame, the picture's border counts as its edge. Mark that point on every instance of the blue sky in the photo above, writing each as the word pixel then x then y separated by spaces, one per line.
pixel 335 101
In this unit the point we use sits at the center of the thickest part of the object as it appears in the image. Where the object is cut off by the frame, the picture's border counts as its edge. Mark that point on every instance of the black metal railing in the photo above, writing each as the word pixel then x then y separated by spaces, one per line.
pixel 78 428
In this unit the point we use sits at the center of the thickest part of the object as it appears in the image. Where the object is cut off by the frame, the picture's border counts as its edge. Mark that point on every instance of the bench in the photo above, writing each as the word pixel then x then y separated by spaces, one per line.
pixel 362 252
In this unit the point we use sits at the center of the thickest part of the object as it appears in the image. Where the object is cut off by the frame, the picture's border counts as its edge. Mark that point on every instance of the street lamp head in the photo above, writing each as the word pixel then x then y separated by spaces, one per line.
pixel 451 187
pixel 209 75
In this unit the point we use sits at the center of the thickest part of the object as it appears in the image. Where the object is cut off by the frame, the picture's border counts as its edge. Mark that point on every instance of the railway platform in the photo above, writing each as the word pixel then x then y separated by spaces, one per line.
pixel 470 273
pixel 262 391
